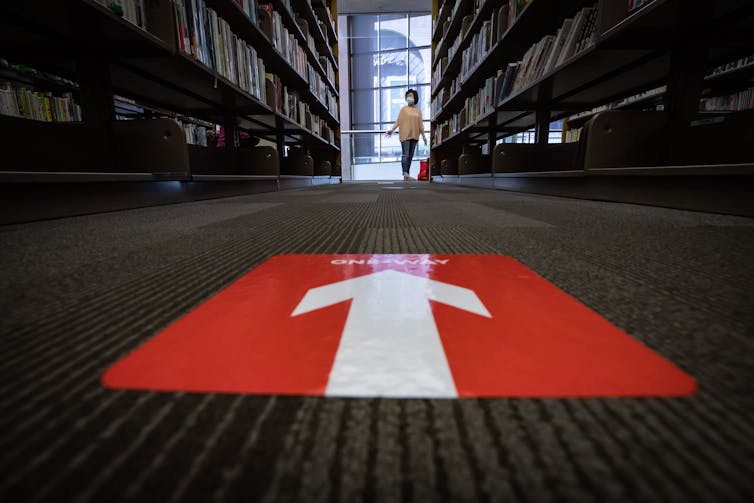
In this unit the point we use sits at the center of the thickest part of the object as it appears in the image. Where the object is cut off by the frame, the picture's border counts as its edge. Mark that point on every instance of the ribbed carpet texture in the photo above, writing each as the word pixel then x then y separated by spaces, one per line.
pixel 77 294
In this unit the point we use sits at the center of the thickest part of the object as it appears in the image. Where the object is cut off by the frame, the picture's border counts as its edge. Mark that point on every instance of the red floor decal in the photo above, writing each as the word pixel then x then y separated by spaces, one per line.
pixel 398 326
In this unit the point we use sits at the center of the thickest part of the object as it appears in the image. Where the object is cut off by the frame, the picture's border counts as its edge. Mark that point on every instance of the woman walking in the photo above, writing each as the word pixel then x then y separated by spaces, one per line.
pixel 411 126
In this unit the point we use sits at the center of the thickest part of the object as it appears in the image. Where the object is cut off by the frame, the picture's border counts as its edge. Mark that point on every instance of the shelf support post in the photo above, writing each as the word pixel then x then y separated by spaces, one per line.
pixel 230 122
pixel 544 96
pixel 686 77
pixel 95 87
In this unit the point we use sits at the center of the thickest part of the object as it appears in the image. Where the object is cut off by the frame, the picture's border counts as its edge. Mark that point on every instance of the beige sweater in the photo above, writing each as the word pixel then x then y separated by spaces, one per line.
pixel 410 123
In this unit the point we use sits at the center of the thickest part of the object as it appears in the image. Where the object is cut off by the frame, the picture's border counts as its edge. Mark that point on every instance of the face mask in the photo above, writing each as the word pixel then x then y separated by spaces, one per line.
pixel 410 101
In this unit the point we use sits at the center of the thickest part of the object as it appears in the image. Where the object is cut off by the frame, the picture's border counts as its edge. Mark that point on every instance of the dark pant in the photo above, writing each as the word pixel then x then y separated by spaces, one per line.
pixel 409 147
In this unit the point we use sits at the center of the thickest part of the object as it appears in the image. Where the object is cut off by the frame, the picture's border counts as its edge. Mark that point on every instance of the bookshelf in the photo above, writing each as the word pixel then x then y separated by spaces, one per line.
pixel 105 54
pixel 623 53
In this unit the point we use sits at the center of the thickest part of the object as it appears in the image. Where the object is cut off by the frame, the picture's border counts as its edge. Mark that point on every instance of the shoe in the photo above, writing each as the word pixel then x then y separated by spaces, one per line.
pixel 407 178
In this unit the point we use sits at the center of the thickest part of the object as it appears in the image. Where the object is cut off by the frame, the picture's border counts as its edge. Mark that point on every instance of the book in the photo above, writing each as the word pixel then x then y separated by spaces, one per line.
pixel 558 45
pixel 265 11
pixel 502 21
pixel 587 36
pixel 132 11
pixel 570 44
pixel 17 100
pixel 735 102
pixel 511 73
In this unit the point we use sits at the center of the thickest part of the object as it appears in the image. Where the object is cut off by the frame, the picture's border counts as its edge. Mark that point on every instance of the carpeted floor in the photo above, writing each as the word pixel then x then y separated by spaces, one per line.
pixel 76 294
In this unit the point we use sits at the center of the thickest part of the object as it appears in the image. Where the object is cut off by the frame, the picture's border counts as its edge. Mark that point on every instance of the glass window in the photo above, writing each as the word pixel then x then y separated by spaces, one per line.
pixel 420 29
pixel 363 33
pixel 364 71
pixel 393 68
pixel 393 31
pixel 365 148
pixel 419 66
pixel 388 54
pixel 365 106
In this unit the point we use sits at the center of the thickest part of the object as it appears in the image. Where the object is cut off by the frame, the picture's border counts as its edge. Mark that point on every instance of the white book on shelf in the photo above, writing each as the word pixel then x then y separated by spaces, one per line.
pixel 6 105
pixel 532 66
pixel 563 33
pixel 262 80
pixel 522 69
pixel 541 58
pixel 132 14
pixel 585 35
pixel 570 44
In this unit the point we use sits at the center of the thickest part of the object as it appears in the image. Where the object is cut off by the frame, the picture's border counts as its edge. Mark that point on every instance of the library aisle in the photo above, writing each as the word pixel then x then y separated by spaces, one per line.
pixel 80 293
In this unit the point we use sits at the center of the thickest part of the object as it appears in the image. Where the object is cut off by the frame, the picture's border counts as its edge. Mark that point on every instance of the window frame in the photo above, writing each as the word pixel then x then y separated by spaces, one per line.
pixel 379 88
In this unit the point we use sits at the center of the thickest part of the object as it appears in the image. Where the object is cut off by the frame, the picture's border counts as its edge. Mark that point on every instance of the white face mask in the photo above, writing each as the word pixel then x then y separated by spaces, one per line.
pixel 410 101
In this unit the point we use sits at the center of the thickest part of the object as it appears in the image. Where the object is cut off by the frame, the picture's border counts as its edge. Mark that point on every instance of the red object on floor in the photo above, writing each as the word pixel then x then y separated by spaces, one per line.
pixel 423 170
pixel 529 339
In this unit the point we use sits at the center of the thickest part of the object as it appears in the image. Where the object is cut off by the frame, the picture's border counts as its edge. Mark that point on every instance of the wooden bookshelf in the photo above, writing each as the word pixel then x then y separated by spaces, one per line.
pixel 79 39
pixel 320 10
pixel 320 39
pixel 455 27
pixel 442 16
pixel 605 72
pixel 669 43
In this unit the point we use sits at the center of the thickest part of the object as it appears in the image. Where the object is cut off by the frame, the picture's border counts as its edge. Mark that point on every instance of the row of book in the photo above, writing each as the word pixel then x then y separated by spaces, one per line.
pixel 250 8
pixel 443 24
pixel 438 101
pixel 322 91
pixel 208 38
pixel 572 135
pixel 630 101
pixel 501 86
pixel 480 104
pixel 482 42
pixel 732 66
pixel 742 100
pixel 329 68
pixel 332 104
pixel 574 36
pixel 454 47
pixel 495 89
pixel 271 24
pixel 285 42
pixel 196 134
pixel 195 129
pixel 21 101
pixel 290 105
pixel 444 94
pixel 132 11
pixel 326 15
pixel 310 30
pixel 492 31
pixel 513 9
pixel 439 71
pixel 304 26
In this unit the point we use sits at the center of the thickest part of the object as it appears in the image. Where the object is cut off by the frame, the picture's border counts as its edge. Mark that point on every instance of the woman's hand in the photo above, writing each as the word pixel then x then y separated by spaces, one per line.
pixel 389 133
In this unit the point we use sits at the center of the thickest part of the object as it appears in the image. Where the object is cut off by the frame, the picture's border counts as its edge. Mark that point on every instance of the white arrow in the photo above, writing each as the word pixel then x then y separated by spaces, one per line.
pixel 390 344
